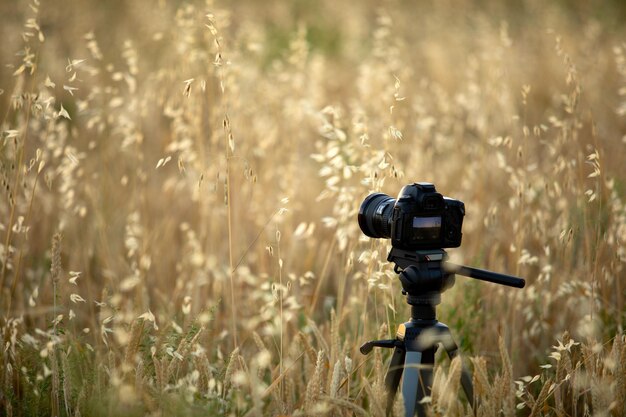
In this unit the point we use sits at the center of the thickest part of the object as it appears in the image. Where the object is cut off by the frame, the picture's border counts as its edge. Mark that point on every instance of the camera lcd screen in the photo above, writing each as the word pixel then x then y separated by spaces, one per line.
pixel 426 228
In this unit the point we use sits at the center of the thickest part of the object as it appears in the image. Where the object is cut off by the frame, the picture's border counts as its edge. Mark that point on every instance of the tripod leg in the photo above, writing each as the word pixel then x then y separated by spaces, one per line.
pixel 394 373
pixel 466 378
pixel 416 381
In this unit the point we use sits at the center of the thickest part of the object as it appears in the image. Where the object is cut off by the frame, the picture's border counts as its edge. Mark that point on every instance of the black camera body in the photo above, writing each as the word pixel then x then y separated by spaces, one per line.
pixel 420 218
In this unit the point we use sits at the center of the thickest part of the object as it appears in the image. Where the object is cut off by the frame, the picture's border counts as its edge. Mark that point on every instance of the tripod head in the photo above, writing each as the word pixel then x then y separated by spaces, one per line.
pixel 425 274
pixel 421 274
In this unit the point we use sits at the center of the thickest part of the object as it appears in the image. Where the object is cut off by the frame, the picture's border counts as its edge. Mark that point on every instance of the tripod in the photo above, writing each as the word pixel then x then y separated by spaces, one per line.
pixel 424 275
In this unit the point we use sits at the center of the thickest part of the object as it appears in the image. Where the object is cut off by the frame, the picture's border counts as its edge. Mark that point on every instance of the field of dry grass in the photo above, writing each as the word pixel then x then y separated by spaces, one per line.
pixel 180 183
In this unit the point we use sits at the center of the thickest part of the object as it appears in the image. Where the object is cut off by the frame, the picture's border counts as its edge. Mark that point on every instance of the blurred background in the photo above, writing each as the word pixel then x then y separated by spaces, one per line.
pixel 200 165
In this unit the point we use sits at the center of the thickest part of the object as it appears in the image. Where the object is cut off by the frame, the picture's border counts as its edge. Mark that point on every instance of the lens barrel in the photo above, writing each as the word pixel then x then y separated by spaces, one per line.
pixel 375 215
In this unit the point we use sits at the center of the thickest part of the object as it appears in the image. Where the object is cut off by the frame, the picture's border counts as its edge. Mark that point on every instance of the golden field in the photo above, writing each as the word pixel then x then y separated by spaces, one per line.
pixel 181 179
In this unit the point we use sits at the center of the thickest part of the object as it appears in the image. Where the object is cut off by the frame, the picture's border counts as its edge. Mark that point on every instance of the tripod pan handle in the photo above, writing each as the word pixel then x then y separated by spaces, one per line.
pixel 387 343
pixel 484 275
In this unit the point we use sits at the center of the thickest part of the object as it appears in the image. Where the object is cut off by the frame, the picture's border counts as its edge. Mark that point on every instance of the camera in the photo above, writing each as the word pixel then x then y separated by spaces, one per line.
pixel 420 218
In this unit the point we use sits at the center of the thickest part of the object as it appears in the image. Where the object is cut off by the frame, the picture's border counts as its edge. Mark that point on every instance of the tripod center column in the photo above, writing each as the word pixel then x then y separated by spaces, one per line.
pixel 423 312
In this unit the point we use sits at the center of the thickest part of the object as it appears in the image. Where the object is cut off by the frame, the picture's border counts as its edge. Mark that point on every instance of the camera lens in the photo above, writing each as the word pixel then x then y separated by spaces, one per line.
pixel 375 215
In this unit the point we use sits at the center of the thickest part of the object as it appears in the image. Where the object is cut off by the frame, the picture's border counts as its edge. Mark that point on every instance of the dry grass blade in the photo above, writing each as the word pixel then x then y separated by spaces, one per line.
pixel 280 377
pixel 345 404
pixel 540 403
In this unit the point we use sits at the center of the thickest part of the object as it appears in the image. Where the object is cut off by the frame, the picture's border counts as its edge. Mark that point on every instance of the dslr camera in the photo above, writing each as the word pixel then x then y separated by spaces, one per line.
pixel 420 218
